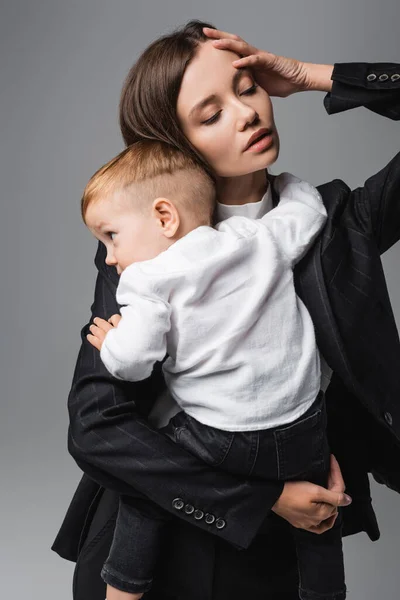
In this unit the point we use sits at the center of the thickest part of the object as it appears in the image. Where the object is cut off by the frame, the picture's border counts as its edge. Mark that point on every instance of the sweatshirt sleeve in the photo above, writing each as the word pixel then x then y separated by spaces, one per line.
pixel 131 349
pixel 298 218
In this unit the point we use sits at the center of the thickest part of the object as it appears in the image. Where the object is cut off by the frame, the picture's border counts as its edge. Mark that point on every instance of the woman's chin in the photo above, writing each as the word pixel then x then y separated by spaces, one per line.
pixel 250 164
pixel 265 160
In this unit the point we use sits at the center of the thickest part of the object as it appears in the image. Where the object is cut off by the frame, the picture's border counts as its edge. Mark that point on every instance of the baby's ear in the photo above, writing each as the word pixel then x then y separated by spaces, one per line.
pixel 167 216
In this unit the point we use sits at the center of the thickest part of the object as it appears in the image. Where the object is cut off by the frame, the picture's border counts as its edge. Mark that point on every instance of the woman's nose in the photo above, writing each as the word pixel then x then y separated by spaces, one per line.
pixel 248 116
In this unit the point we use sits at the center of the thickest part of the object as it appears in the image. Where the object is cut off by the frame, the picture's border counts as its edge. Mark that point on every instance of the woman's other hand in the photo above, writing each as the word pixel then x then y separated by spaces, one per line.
pixel 278 75
pixel 308 506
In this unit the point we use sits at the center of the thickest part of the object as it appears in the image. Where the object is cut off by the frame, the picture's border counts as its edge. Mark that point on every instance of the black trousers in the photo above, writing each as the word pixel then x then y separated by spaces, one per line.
pixel 195 565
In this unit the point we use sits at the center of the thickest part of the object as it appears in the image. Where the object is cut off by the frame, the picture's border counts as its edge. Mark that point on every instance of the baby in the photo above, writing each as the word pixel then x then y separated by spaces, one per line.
pixel 242 361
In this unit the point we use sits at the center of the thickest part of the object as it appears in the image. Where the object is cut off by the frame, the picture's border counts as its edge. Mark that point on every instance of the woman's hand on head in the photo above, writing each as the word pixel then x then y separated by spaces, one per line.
pixel 312 507
pixel 278 75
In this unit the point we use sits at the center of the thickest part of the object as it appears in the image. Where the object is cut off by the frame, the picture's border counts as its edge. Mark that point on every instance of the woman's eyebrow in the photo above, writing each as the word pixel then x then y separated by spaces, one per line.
pixel 202 104
pixel 239 73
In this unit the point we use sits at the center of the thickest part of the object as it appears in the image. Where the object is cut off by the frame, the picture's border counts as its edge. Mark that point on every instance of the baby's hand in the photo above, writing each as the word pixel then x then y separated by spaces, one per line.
pixel 114 594
pixel 99 329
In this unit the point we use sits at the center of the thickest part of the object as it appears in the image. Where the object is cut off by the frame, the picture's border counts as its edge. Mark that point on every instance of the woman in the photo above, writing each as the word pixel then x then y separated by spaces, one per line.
pixel 186 91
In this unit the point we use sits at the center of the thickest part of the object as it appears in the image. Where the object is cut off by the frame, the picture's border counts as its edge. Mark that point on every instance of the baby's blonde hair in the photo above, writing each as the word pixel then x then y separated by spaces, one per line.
pixel 152 169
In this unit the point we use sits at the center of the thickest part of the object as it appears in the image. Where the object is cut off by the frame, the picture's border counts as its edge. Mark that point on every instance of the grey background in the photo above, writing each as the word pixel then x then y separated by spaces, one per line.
pixel 61 68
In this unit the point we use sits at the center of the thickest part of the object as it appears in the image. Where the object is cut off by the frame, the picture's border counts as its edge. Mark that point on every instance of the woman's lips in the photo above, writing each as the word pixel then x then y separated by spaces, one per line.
pixel 262 140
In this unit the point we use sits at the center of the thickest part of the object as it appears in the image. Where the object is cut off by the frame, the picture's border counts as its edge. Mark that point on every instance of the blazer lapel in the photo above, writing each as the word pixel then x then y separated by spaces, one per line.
pixel 310 287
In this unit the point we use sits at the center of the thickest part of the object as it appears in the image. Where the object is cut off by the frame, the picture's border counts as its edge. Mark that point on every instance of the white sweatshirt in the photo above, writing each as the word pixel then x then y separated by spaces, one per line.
pixel 221 303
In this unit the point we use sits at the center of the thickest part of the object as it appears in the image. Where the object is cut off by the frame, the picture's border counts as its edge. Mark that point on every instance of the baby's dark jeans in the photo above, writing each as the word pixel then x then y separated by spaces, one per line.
pixel 295 451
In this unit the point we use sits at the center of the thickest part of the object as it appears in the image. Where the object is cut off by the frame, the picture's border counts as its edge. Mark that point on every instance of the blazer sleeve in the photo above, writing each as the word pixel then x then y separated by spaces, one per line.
pixel 113 443
pixel 375 86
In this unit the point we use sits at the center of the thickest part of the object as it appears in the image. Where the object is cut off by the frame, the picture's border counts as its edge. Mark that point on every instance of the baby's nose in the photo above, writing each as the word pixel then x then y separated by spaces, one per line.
pixel 110 260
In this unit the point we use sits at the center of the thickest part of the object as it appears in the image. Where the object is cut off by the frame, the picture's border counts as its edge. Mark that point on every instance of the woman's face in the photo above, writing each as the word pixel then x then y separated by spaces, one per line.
pixel 220 108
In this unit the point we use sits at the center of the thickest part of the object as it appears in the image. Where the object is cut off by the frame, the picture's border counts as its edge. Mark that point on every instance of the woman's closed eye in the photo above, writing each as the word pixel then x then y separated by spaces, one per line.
pixel 247 92
pixel 212 119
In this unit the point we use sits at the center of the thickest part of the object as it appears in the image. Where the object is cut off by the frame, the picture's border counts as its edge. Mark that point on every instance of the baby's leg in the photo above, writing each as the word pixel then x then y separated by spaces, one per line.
pixel 320 563
pixel 303 453
pixel 135 548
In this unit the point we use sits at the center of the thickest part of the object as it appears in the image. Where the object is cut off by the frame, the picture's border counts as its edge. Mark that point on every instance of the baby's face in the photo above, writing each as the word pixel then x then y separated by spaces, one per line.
pixel 128 235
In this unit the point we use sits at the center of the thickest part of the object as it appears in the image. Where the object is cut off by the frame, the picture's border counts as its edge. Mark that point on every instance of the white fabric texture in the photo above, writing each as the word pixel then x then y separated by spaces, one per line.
pixel 221 302
pixel 252 210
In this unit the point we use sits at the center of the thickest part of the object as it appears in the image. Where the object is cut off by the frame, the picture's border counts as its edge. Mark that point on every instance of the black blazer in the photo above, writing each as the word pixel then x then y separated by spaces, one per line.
pixel 342 284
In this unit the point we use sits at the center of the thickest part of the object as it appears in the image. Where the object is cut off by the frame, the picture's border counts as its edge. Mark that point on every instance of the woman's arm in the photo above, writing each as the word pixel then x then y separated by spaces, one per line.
pixel 375 86
pixel 113 443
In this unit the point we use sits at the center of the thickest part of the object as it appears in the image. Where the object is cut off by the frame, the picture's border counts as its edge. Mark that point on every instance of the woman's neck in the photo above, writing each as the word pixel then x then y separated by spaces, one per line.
pixel 243 189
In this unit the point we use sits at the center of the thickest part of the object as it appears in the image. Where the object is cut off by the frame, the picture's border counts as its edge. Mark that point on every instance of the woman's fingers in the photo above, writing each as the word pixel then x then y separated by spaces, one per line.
pixel 237 46
pixel 335 479
pixel 217 34
pixel 266 60
pixel 324 525
pixel 304 505
pixel 331 497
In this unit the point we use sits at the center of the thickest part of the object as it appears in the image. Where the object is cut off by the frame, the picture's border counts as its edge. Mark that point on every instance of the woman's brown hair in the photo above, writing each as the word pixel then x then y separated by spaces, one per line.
pixel 149 96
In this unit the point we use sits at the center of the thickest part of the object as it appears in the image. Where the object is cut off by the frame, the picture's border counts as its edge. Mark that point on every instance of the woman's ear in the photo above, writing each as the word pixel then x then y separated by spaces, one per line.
pixel 166 215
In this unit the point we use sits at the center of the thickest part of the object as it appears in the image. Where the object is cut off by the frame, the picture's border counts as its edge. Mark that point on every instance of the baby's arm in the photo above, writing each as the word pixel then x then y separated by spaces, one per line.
pixel 298 218
pixel 130 350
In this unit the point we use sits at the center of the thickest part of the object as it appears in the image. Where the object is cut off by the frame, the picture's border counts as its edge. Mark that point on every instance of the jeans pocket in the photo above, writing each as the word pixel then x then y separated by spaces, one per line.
pixel 302 446
pixel 207 443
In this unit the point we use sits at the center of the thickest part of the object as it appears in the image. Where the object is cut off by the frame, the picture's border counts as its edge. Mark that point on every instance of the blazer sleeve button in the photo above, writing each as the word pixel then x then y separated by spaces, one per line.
pixel 371 77
pixel 220 523
pixel 209 519
pixel 178 503
pixel 189 509
pixel 383 77
pixel 388 418
pixel 198 514
pixel 395 76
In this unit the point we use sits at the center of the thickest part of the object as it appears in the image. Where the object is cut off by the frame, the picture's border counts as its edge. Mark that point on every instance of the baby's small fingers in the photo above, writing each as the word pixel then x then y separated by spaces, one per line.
pixel 95 331
pixel 99 332
pixel 217 33
pixel 102 324
pixel 114 320
pixel 94 341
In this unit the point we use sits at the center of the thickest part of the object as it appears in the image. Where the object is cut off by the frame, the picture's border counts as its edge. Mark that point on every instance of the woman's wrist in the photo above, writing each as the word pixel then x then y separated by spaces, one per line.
pixel 319 77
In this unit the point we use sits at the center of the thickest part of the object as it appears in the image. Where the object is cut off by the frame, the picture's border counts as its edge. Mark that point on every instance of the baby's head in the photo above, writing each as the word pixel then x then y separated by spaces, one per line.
pixel 144 200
